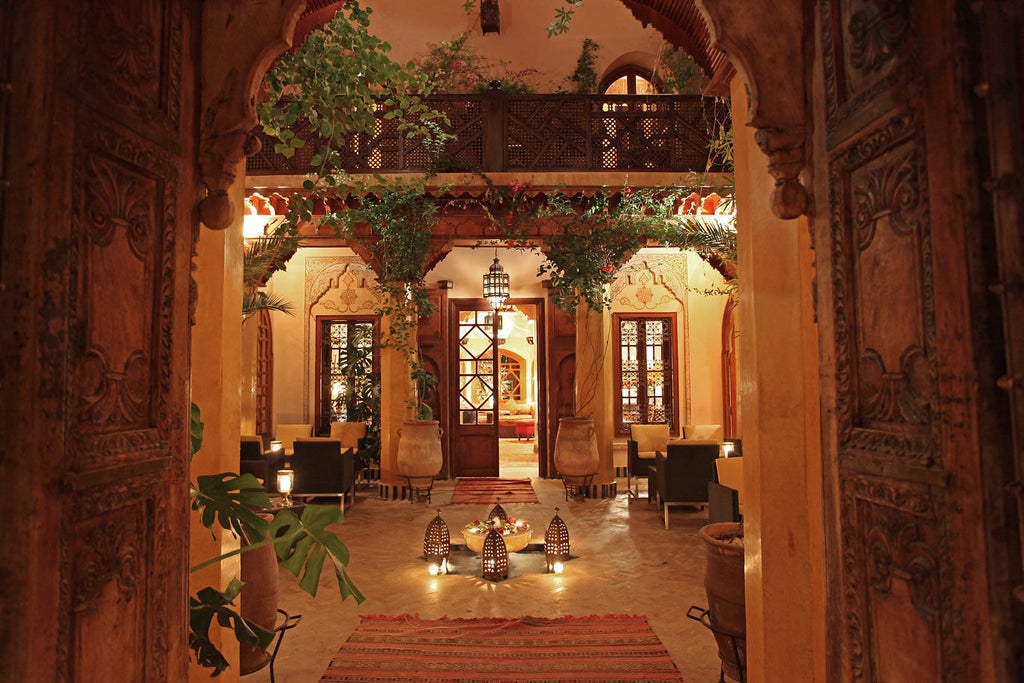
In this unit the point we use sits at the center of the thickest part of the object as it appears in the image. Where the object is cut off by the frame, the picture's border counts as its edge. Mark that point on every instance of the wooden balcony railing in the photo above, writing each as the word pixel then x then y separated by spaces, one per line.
pixel 503 132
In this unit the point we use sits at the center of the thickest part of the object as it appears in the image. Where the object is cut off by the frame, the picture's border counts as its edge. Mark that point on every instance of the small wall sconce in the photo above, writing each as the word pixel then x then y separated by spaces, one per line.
pixel 556 545
pixel 276 446
pixel 494 557
pixel 437 545
pixel 285 483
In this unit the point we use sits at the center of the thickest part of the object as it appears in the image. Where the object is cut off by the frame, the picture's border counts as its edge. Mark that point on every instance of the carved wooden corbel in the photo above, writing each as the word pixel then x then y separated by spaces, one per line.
pixel 254 34
pixel 773 71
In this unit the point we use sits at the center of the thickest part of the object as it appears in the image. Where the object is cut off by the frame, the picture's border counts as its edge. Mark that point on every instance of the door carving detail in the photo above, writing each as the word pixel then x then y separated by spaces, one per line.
pixel 883 296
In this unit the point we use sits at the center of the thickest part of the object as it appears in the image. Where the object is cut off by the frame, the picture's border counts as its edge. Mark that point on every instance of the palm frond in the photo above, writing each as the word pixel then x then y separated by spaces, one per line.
pixel 255 300
pixel 708 234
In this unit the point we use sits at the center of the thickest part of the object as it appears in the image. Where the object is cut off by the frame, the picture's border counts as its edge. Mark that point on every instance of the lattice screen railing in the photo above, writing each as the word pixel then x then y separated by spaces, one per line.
pixel 499 132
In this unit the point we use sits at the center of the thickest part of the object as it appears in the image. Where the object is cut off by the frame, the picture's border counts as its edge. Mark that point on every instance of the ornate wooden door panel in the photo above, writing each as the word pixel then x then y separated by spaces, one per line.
pixel 907 600
pixel 474 443
pixel 109 300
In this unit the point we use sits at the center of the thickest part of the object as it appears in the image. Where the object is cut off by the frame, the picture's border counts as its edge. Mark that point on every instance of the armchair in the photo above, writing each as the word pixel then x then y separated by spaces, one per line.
pixel 644 441
pixel 683 472
pixel 287 433
pixel 251 459
pixel 725 497
pixel 322 469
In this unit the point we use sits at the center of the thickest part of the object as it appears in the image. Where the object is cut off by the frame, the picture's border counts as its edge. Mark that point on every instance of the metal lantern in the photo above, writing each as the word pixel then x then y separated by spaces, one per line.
pixel 556 544
pixel 494 558
pixel 499 512
pixel 437 544
pixel 496 284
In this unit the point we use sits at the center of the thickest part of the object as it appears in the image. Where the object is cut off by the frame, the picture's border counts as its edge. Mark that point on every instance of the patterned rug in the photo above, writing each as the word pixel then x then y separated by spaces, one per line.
pixel 488 490
pixel 595 648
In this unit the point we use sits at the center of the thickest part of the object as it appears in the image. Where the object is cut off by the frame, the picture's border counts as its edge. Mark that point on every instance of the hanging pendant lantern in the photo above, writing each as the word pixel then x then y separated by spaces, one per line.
pixel 556 544
pixel 437 545
pixel 496 284
pixel 494 557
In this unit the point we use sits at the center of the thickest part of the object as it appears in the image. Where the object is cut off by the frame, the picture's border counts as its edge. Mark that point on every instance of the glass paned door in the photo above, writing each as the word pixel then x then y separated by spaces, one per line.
pixel 475 437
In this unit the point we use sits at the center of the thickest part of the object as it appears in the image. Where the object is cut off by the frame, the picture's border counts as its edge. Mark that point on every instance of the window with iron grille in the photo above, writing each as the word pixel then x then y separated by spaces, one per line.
pixel 645 379
pixel 346 372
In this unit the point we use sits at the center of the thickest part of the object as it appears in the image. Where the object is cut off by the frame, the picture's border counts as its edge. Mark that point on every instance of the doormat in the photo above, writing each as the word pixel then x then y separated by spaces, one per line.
pixel 593 648
pixel 477 490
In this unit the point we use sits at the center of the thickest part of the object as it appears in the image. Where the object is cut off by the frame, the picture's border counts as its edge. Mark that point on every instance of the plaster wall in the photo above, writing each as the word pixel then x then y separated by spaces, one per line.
pixel 523 40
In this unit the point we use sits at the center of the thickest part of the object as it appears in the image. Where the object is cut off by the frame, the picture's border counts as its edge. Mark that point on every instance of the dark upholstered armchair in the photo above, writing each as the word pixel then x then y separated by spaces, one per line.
pixel 683 472
pixel 323 469
pixel 644 441
pixel 252 460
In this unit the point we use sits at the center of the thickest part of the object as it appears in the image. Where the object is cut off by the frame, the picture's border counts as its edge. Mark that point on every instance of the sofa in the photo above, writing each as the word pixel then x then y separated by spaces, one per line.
pixel 509 414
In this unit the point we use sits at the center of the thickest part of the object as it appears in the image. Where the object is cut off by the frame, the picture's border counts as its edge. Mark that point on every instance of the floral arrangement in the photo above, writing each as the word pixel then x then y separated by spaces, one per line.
pixel 510 527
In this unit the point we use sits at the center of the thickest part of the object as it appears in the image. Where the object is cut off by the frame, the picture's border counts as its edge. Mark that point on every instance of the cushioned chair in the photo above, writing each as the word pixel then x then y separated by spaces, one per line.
pixel 729 475
pixel 251 459
pixel 683 473
pixel 287 433
pixel 323 469
pixel 644 441
pixel 703 432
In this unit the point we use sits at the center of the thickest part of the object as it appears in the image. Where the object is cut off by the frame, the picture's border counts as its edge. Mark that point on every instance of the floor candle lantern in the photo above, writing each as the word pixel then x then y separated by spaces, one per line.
pixel 494 558
pixel 437 545
pixel 499 512
pixel 556 544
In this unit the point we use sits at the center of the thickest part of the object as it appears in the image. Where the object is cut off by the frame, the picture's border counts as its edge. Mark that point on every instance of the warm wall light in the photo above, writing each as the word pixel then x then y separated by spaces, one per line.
pixel 496 284
pixel 285 483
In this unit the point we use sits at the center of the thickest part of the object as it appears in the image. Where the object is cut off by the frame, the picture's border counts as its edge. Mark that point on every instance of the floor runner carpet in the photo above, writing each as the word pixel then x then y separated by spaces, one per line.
pixel 595 648
pixel 487 490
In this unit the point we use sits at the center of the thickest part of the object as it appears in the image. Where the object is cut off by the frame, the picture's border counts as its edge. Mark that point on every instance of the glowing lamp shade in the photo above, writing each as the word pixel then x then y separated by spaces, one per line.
pixel 437 544
pixel 494 558
pixel 285 483
pixel 556 544
pixel 496 284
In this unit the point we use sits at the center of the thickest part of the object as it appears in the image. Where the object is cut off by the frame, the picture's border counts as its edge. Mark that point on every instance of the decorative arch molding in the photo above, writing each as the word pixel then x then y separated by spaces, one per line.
pixel 252 35
pixel 668 270
pixel 325 276
pixel 773 72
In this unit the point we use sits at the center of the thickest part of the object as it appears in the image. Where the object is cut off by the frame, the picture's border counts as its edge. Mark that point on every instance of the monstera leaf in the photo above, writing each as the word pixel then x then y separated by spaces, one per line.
pixel 303 544
pixel 210 603
pixel 229 499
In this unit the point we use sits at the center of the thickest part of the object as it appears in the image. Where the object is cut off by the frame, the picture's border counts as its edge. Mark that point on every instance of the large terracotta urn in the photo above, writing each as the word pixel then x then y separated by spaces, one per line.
pixel 576 456
pixel 419 452
pixel 723 583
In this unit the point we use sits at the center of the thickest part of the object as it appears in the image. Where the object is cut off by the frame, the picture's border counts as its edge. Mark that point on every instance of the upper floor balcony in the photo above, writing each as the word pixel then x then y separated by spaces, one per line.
pixel 501 132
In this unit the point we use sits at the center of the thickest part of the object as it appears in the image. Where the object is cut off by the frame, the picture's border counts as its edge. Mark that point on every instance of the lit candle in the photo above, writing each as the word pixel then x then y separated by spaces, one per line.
pixel 558 567
pixel 433 569
pixel 276 446
pixel 727 448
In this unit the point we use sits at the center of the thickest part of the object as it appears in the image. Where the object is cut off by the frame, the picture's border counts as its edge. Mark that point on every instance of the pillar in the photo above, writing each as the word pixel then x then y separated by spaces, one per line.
pixel 594 390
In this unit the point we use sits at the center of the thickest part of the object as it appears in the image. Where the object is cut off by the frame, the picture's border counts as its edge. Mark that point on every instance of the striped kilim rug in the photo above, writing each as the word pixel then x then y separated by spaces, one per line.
pixel 595 648
pixel 486 490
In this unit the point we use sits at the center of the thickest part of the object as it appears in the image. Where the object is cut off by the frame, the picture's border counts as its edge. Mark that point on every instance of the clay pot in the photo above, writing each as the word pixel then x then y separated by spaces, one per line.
pixel 419 452
pixel 576 456
pixel 259 601
pixel 723 583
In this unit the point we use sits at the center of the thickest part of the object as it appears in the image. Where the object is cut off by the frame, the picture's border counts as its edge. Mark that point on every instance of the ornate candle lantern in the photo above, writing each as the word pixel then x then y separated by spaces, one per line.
pixel 494 558
pixel 437 545
pixel 556 544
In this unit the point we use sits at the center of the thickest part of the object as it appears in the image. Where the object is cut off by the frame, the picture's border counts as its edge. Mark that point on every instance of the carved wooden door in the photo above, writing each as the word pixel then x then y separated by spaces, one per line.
pixel 97 240
pixel 910 592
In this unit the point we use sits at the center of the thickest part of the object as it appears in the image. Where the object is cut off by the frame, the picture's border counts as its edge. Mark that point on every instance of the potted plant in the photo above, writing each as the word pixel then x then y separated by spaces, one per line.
pixel 231 501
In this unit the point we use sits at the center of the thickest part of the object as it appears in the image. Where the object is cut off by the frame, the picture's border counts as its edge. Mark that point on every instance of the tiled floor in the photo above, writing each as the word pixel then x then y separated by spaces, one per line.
pixel 625 562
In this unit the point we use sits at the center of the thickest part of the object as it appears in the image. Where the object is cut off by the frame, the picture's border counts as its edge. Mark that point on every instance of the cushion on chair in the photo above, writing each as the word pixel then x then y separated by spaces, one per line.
pixel 703 432
pixel 348 433
pixel 287 433
pixel 730 474
pixel 649 439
